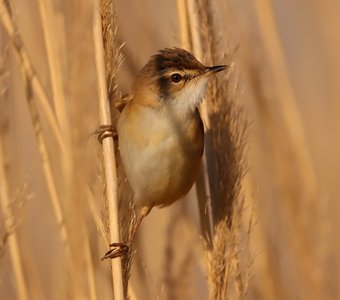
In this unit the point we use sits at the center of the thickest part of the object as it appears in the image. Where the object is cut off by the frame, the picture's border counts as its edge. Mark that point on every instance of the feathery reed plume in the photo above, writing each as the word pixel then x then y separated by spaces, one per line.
pixel 112 49
pixel 226 167
pixel 228 133
pixel 228 142
pixel 228 138
pixel 228 275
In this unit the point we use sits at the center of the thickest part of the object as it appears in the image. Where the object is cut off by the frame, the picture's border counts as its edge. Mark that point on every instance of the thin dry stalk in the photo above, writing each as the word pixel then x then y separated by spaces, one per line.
pixel 168 276
pixel 26 65
pixel 288 107
pixel 36 286
pixel 182 13
pixel 195 25
pixel 13 243
pixel 301 190
pixel 32 85
pixel 3 238
pixel 132 294
pixel 186 274
pixel 91 279
pixel 28 78
pixel 178 268
pixel 190 32
pixel 155 291
pixel 96 216
pixel 46 164
pixel 113 60
pixel 52 24
pixel 108 152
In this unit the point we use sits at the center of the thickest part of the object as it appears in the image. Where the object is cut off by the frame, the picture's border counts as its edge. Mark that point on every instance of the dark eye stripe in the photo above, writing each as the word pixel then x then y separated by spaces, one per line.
pixel 187 77
pixel 165 82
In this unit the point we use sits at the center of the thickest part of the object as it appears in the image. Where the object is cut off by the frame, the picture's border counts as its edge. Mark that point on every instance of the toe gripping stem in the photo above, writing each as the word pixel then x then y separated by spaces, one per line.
pixel 118 250
pixel 105 131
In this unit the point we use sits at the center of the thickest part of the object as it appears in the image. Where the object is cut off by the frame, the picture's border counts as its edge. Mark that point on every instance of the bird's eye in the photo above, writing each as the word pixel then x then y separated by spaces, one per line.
pixel 176 77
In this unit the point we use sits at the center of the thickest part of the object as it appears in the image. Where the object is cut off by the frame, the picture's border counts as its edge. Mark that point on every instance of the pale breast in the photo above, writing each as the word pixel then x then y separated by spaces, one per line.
pixel 161 153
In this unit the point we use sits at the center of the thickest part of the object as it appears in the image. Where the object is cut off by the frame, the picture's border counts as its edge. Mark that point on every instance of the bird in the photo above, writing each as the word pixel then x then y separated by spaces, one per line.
pixel 160 130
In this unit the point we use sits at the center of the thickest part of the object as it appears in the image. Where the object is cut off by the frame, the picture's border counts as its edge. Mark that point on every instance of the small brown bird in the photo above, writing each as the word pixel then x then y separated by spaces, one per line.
pixel 160 131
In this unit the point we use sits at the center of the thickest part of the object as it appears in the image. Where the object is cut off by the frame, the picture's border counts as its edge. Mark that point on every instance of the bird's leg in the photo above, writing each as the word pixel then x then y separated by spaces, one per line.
pixel 121 249
pixel 143 213
pixel 105 131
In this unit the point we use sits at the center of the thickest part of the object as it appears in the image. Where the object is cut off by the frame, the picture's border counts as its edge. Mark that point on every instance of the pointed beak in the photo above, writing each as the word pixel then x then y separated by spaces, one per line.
pixel 216 69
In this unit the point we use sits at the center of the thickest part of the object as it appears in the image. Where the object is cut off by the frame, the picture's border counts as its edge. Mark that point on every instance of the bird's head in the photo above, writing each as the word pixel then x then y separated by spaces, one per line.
pixel 173 77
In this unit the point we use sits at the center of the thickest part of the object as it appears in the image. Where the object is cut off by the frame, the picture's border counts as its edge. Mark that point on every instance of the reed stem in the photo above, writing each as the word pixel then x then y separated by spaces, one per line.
pixel 13 243
pixel 108 152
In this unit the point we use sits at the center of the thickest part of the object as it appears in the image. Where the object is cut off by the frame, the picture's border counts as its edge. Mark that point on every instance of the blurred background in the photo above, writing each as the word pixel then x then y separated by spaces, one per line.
pixel 285 56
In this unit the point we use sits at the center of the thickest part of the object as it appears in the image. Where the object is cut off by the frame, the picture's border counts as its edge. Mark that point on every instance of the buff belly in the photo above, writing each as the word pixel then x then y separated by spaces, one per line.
pixel 161 162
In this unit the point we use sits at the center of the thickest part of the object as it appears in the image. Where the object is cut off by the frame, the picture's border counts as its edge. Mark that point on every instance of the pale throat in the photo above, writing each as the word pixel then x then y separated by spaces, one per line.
pixel 186 100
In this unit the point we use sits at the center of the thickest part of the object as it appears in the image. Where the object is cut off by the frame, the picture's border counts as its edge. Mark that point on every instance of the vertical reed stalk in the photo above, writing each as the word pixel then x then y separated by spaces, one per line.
pixel 290 112
pixel 52 24
pixel 184 33
pixel 26 65
pixel 108 152
pixel 197 48
pixel 5 198
pixel 190 39
pixel 301 190
pixel 14 249
pixel 33 85
pixel 91 279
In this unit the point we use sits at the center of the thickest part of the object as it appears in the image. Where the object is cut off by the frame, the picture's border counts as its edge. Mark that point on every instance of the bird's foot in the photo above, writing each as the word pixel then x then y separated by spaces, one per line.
pixel 118 250
pixel 105 131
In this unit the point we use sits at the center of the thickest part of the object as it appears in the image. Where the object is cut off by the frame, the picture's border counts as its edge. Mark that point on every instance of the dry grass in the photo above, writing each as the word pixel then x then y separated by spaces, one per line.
pixel 10 204
pixel 228 270
pixel 271 152
pixel 228 278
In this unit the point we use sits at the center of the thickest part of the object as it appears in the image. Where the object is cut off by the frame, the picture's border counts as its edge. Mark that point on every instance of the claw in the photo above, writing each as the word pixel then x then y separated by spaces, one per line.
pixel 119 249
